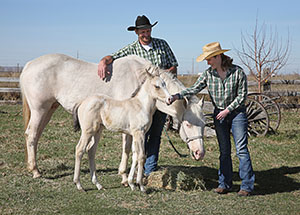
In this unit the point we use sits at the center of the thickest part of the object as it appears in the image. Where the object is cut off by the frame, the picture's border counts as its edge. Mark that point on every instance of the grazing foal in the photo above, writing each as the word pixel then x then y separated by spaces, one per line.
pixel 132 116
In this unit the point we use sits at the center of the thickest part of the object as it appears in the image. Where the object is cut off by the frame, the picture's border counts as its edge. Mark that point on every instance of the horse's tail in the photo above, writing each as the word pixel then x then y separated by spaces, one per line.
pixel 76 123
pixel 26 109
pixel 26 118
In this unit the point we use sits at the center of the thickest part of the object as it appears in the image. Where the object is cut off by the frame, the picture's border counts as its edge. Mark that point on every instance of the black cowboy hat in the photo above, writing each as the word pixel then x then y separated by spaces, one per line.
pixel 141 22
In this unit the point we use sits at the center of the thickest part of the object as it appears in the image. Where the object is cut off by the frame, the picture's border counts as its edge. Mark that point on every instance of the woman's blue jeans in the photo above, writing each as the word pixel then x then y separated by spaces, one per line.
pixel 237 122
pixel 152 142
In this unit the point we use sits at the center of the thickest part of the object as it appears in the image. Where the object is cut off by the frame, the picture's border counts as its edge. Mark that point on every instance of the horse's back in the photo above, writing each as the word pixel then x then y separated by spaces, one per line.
pixel 58 77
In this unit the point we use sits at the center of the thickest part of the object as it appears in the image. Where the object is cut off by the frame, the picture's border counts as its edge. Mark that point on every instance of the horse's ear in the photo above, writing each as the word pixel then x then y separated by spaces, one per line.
pixel 149 70
pixel 148 74
pixel 201 102
pixel 157 71
pixel 185 102
pixel 153 70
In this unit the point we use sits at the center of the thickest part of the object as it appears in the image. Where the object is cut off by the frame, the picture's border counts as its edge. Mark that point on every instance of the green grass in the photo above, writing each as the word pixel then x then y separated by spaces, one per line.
pixel 275 158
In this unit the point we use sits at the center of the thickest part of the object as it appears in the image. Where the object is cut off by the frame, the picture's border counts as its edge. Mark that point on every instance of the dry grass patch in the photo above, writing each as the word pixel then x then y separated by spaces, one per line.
pixel 176 178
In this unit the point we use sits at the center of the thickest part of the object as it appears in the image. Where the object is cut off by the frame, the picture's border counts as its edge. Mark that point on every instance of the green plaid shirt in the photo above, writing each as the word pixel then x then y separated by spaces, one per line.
pixel 230 93
pixel 159 55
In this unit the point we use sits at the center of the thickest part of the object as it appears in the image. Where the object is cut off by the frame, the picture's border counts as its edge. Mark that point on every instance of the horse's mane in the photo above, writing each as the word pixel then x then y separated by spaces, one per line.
pixel 169 77
pixel 135 92
pixel 172 82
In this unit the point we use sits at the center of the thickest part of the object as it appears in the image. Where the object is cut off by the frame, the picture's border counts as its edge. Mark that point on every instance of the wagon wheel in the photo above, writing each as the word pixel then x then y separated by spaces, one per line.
pixel 258 119
pixel 271 107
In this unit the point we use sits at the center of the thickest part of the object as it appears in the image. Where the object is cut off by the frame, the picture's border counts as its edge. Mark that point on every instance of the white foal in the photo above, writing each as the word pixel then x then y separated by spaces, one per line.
pixel 132 116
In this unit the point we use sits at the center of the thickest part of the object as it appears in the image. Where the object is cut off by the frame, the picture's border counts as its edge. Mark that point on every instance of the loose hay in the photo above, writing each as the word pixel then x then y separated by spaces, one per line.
pixel 176 178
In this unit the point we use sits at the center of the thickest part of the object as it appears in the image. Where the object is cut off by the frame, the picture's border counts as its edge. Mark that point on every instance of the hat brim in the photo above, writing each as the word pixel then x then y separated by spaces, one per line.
pixel 132 28
pixel 205 56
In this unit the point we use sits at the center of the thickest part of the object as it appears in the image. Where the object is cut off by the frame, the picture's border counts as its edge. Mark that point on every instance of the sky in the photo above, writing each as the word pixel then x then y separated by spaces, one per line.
pixel 90 29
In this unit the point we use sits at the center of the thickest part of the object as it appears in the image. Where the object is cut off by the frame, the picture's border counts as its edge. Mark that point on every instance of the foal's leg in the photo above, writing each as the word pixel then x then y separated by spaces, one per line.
pixel 91 153
pixel 38 120
pixel 126 142
pixel 133 165
pixel 141 157
pixel 138 158
pixel 80 149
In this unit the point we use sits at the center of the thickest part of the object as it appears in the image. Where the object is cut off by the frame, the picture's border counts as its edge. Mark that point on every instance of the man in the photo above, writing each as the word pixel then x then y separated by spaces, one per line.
pixel 227 87
pixel 158 52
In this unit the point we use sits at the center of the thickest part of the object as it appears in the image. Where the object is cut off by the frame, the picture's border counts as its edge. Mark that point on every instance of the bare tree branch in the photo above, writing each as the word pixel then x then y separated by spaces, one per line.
pixel 263 53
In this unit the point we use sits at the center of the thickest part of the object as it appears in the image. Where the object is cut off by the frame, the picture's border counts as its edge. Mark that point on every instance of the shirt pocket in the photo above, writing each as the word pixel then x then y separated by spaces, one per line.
pixel 163 59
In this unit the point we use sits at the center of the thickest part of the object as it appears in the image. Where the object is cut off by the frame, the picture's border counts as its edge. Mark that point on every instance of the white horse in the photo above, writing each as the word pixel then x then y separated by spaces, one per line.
pixel 132 116
pixel 56 79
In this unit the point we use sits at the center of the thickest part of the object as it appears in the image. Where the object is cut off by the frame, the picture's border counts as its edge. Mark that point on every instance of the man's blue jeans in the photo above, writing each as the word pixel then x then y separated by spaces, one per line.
pixel 237 122
pixel 152 142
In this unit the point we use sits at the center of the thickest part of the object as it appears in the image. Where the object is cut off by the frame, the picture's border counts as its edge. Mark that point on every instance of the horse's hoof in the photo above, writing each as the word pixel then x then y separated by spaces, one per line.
pixel 36 174
pixel 99 186
pixel 142 188
pixel 79 187
pixel 125 184
pixel 132 186
pixel 81 190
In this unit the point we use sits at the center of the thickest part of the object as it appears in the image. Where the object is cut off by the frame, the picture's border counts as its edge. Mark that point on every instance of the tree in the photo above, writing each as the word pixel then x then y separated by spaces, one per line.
pixel 263 53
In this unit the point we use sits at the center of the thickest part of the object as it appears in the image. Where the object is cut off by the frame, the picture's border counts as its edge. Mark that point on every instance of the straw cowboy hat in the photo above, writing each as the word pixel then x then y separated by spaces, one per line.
pixel 210 50
pixel 141 22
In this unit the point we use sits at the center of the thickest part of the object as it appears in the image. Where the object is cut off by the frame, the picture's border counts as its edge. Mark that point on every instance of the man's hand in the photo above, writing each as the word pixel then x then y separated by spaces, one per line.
pixel 103 71
pixel 173 70
pixel 102 67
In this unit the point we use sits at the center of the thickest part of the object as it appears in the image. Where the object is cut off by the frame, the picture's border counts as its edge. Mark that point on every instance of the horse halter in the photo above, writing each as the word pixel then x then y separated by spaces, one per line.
pixel 189 139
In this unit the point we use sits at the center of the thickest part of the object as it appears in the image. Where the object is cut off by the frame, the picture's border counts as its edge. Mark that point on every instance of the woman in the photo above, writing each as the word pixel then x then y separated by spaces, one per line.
pixel 227 88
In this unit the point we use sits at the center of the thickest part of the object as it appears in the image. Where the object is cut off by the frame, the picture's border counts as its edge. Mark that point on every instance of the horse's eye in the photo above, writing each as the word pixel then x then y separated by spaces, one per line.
pixel 157 87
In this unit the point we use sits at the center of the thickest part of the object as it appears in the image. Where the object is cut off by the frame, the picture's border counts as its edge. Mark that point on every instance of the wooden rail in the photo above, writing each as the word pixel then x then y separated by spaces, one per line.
pixel 9 90
pixel 289 82
pixel 9 79
pixel 9 83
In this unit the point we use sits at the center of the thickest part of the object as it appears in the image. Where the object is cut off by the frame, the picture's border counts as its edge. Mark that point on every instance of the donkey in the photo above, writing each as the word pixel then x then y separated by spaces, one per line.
pixel 132 116
pixel 56 79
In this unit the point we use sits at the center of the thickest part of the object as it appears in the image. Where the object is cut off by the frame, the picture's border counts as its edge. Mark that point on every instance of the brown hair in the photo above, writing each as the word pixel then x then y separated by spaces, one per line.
pixel 226 61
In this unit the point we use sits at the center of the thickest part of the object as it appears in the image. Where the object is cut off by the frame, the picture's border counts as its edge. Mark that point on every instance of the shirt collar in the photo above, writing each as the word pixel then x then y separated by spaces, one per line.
pixel 228 72
pixel 148 47
pixel 153 44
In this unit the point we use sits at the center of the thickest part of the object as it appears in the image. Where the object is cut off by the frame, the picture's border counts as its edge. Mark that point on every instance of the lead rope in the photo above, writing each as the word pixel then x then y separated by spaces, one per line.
pixel 187 140
pixel 180 155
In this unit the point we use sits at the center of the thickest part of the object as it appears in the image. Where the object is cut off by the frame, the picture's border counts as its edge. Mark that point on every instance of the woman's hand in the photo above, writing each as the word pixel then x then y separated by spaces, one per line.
pixel 172 99
pixel 222 114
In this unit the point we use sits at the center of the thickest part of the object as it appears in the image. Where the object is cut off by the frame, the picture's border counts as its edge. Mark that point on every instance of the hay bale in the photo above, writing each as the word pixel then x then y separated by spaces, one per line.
pixel 176 178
